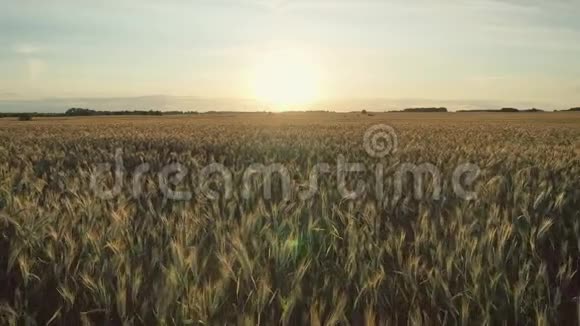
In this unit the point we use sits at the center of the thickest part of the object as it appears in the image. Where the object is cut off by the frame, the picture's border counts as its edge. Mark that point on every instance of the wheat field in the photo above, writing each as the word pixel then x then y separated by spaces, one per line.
pixel 508 255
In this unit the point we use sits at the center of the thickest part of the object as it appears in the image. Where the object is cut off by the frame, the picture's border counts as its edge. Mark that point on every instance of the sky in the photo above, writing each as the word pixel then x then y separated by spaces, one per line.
pixel 206 54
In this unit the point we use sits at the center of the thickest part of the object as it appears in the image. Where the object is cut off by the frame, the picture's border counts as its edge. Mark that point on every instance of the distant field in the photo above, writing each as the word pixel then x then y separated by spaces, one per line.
pixel 419 243
pixel 328 117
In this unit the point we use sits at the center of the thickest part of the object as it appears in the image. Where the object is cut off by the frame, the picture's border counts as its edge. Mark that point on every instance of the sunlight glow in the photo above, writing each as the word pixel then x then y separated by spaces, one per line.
pixel 286 79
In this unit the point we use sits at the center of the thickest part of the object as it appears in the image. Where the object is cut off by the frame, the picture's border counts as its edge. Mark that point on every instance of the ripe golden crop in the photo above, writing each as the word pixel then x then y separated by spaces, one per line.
pixel 510 255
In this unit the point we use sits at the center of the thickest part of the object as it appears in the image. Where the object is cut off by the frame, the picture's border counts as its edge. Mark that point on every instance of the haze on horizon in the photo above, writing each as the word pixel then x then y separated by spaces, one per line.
pixel 238 54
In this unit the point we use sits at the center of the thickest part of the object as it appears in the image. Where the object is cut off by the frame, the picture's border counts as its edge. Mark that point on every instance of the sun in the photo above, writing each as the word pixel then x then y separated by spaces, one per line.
pixel 286 80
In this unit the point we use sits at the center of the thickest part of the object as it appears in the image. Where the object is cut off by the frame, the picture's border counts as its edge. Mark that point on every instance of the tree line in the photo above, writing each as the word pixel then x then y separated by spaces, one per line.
pixel 82 112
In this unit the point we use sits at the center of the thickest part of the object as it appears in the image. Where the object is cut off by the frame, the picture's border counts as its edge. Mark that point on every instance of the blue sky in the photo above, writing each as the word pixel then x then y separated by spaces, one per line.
pixel 504 51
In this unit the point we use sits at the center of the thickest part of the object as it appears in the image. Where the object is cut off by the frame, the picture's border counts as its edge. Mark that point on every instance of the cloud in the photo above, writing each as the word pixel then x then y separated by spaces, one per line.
pixel 165 102
pixel 26 49
pixel 7 95
pixel 35 68
pixel 157 102
pixel 31 54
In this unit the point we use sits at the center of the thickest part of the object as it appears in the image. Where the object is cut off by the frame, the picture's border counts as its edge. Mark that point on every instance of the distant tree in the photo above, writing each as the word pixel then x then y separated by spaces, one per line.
pixel 25 117
pixel 442 109
pixel 79 112
pixel 509 110
pixel 533 110
pixel 575 109
pixel 364 112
